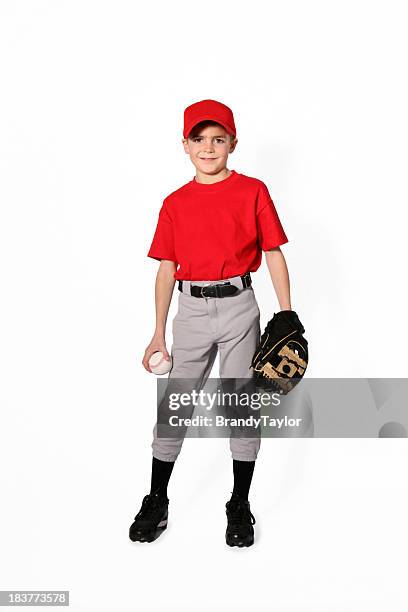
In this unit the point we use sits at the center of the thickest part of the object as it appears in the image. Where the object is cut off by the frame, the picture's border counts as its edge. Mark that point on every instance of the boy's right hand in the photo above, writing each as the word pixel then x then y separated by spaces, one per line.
pixel 157 343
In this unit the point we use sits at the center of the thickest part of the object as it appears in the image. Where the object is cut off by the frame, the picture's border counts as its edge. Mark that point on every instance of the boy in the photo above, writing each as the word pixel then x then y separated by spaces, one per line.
pixel 210 235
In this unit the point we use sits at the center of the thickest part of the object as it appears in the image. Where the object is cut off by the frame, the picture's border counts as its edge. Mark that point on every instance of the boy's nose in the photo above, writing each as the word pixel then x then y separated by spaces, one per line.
pixel 208 146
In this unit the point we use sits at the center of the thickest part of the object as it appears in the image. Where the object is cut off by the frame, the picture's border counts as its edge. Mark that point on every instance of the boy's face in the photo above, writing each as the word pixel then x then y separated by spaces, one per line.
pixel 209 148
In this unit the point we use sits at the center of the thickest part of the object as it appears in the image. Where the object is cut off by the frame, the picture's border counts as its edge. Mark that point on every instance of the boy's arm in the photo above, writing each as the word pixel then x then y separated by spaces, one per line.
pixel 278 270
pixel 165 282
pixel 164 286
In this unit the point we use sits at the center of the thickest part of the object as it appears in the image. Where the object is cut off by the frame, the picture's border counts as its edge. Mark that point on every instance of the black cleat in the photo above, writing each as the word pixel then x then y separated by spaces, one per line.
pixel 240 520
pixel 151 520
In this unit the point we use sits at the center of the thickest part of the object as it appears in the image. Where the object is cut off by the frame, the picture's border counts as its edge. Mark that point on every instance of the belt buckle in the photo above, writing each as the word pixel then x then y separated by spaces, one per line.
pixel 214 289
pixel 202 290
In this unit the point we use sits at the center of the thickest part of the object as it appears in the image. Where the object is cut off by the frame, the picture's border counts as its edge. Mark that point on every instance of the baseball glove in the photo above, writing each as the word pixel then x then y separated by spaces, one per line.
pixel 281 358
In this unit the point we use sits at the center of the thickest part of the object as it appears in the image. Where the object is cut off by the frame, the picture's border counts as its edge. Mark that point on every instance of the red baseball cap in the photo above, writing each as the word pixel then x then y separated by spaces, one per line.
pixel 208 109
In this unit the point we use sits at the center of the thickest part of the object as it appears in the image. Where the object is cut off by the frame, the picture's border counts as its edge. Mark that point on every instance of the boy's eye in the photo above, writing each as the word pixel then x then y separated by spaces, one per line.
pixel 217 140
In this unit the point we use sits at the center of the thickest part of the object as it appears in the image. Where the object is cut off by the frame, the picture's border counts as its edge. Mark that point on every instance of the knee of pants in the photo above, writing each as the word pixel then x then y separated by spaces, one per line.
pixel 166 449
pixel 245 449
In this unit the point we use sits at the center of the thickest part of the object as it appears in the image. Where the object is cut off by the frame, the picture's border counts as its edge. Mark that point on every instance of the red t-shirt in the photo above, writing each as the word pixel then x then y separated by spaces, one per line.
pixel 219 230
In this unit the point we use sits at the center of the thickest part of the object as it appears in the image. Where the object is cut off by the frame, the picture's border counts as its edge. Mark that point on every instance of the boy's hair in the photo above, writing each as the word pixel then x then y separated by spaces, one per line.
pixel 203 124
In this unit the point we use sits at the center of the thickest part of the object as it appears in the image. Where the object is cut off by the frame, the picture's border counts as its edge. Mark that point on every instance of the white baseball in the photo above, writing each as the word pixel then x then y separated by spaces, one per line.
pixel 158 364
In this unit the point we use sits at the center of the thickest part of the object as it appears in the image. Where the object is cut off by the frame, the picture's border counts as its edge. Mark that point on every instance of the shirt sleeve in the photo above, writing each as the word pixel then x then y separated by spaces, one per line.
pixel 270 231
pixel 162 246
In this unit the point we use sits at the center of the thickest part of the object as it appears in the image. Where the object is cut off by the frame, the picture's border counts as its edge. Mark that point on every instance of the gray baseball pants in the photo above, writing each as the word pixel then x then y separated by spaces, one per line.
pixel 201 328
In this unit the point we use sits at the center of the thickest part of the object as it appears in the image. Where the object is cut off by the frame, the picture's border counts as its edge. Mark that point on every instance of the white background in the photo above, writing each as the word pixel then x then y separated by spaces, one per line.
pixel 91 106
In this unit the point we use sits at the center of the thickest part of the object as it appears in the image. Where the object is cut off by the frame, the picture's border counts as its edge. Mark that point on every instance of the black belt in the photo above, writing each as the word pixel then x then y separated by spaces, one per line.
pixel 219 290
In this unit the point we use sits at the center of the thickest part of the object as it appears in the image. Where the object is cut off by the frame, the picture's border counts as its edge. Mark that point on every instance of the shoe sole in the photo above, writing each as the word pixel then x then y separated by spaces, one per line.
pixel 240 543
pixel 151 537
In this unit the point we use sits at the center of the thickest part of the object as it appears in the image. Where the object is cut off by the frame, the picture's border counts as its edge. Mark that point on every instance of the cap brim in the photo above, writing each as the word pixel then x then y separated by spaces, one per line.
pixel 225 125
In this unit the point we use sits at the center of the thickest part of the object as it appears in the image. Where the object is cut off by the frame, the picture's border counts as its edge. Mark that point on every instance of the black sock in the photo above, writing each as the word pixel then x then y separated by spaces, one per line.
pixel 161 472
pixel 243 471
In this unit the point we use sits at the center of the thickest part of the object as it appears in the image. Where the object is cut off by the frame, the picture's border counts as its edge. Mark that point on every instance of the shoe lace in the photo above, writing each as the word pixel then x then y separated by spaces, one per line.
pixel 237 511
pixel 150 507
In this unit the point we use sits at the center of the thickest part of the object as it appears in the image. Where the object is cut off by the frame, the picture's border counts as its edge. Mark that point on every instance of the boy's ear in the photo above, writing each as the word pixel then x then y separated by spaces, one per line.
pixel 185 145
